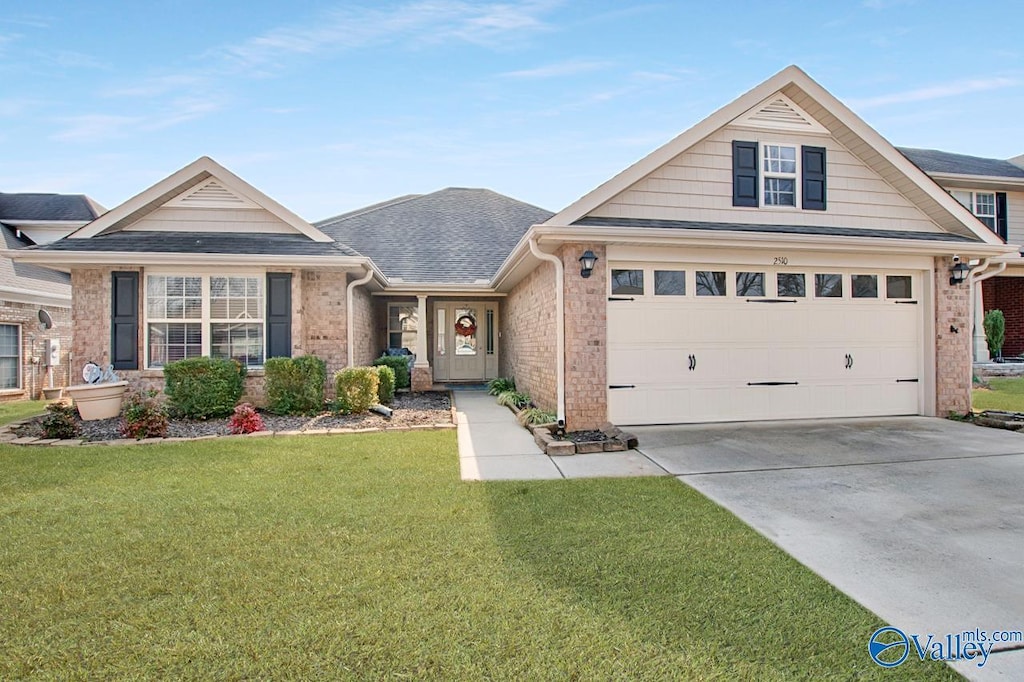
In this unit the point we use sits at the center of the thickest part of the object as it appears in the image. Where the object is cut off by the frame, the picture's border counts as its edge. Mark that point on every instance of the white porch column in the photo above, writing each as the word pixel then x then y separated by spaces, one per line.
pixel 421 333
pixel 980 344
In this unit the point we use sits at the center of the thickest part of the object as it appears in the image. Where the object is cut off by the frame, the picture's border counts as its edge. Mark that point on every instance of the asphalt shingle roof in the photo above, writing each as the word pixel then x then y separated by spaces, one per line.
pixel 935 161
pixel 33 206
pixel 455 235
pixel 776 229
pixel 202 242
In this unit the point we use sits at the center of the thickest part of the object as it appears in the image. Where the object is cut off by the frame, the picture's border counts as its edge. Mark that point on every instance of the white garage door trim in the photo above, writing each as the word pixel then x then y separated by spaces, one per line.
pixel 765 353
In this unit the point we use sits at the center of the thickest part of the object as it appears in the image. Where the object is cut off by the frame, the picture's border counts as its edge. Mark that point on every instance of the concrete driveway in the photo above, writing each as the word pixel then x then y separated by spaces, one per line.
pixel 920 520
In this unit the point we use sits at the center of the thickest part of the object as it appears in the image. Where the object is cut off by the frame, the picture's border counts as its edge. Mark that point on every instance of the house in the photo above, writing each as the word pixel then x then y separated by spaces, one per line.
pixel 778 260
pixel 993 190
pixel 33 354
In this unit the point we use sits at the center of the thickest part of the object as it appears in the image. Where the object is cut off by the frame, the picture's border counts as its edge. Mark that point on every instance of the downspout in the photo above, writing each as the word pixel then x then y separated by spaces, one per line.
pixel 559 324
pixel 978 275
pixel 350 297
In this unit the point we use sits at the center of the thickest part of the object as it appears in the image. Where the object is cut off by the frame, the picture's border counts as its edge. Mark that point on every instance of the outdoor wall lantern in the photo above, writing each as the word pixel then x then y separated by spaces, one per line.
pixel 958 273
pixel 587 262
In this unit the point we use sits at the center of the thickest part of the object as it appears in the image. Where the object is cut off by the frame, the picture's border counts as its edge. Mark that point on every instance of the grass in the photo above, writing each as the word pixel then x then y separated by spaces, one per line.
pixel 1003 394
pixel 364 557
pixel 19 409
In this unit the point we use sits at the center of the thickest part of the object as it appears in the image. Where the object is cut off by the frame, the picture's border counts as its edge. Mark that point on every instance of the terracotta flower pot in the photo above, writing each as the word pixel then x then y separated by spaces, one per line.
pixel 98 401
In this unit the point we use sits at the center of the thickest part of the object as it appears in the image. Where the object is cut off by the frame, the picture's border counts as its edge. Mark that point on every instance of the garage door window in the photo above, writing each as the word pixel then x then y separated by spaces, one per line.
pixel 828 286
pixel 792 284
pixel 750 284
pixel 710 283
pixel 898 286
pixel 865 286
pixel 669 283
pixel 627 282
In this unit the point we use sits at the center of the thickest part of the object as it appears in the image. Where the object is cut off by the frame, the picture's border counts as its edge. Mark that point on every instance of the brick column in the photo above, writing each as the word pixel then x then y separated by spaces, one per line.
pixel 952 348
pixel 586 327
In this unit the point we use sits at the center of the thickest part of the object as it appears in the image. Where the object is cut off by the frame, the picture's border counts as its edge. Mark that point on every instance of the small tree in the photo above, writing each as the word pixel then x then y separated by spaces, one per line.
pixel 995 332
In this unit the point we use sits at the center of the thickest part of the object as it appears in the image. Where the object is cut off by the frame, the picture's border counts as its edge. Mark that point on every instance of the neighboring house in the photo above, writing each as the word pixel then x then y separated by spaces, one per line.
pixel 25 289
pixel 993 190
pixel 778 260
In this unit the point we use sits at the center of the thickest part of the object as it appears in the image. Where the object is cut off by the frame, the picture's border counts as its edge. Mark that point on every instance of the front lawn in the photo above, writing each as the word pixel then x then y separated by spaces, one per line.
pixel 365 557
pixel 20 409
pixel 1003 394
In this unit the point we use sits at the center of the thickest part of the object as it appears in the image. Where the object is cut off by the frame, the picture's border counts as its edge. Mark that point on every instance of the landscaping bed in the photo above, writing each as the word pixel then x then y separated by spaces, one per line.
pixel 408 409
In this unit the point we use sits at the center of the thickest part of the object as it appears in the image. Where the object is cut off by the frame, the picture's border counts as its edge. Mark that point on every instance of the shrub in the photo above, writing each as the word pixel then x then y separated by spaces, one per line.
pixel 513 399
pixel 356 388
pixel 399 364
pixel 995 332
pixel 533 416
pixel 295 385
pixel 501 385
pixel 60 421
pixel 200 388
pixel 142 416
pixel 386 390
pixel 246 419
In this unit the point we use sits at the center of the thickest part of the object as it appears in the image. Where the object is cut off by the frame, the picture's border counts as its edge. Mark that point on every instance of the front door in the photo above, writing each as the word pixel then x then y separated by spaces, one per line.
pixel 465 340
pixel 465 354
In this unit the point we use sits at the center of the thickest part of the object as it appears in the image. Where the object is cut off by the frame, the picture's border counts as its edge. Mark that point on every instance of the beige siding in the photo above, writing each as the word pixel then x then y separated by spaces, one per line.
pixel 1015 217
pixel 697 185
pixel 170 219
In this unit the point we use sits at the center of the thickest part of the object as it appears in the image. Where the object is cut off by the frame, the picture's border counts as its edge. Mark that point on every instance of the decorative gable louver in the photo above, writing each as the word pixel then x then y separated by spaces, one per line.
pixel 211 194
pixel 779 113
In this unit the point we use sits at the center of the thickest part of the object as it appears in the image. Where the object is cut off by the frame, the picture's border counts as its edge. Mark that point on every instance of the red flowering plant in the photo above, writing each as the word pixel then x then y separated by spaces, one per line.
pixel 246 419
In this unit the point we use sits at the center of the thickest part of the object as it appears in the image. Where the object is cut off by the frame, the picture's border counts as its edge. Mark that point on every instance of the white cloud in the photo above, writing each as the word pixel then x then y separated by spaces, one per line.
pixel 953 89
pixel 566 68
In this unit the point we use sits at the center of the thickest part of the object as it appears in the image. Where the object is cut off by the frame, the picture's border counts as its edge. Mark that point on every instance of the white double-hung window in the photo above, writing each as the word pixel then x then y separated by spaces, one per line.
pixel 221 316
pixel 779 167
pixel 981 204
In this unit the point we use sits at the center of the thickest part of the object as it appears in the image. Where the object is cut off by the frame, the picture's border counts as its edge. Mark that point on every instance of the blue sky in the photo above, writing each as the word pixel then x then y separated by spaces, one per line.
pixel 329 106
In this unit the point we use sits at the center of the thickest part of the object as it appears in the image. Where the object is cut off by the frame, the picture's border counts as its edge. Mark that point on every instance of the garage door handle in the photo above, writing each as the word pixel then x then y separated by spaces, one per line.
pixel 693 362
pixel 621 298
pixel 622 386
pixel 771 300
pixel 907 302
pixel 773 383
pixel 849 361
pixel 906 381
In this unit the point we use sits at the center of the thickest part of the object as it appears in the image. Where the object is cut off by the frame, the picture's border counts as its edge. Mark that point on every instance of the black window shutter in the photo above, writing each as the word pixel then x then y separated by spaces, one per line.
pixel 1001 224
pixel 813 168
pixel 744 173
pixel 124 320
pixel 279 315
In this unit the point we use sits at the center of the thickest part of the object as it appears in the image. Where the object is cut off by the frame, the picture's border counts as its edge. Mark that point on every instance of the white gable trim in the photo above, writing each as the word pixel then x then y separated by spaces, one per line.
pixel 747 102
pixel 195 175
pixel 779 112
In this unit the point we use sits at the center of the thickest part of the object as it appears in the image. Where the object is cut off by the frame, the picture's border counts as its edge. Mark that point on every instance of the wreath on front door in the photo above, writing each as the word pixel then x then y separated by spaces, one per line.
pixel 465 326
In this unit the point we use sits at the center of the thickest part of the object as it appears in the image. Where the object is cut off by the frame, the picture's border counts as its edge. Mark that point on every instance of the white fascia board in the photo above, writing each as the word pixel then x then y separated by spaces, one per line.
pixel 435 289
pixel 31 296
pixel 765 240
pixel 959 180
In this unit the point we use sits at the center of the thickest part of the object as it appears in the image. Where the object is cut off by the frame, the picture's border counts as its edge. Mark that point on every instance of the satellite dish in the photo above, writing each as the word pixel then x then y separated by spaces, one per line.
pixel 45 321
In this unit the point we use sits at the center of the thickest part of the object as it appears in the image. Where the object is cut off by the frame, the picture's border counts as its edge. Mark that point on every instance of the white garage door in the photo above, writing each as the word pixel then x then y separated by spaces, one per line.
pixel 707 343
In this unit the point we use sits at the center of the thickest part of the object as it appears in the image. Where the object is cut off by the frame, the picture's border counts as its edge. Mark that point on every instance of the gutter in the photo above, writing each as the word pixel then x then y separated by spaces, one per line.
pixel 559 325
pixel 350 296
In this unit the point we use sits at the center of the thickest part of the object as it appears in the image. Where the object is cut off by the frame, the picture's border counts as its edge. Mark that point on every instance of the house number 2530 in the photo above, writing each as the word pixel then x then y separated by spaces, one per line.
pixel 781 260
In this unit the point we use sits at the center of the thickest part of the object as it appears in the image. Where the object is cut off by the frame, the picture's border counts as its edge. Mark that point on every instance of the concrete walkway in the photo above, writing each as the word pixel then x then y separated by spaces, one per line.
pixel 493 447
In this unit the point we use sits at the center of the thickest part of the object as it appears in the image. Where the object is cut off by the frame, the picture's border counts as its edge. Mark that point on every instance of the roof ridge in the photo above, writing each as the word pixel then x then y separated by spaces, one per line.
pixel 366 209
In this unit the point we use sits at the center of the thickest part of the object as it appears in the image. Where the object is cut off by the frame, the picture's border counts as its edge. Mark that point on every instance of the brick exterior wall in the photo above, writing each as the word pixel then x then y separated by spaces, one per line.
pixel 586 334
pixel 318 325
pixel 953 353
pixel 527 342
pixel 34 377
pixel 1007 294
pixel 366 320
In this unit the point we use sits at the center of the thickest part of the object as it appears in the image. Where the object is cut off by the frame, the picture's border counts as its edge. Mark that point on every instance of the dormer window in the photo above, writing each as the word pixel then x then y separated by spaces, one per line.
pixel 779 175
